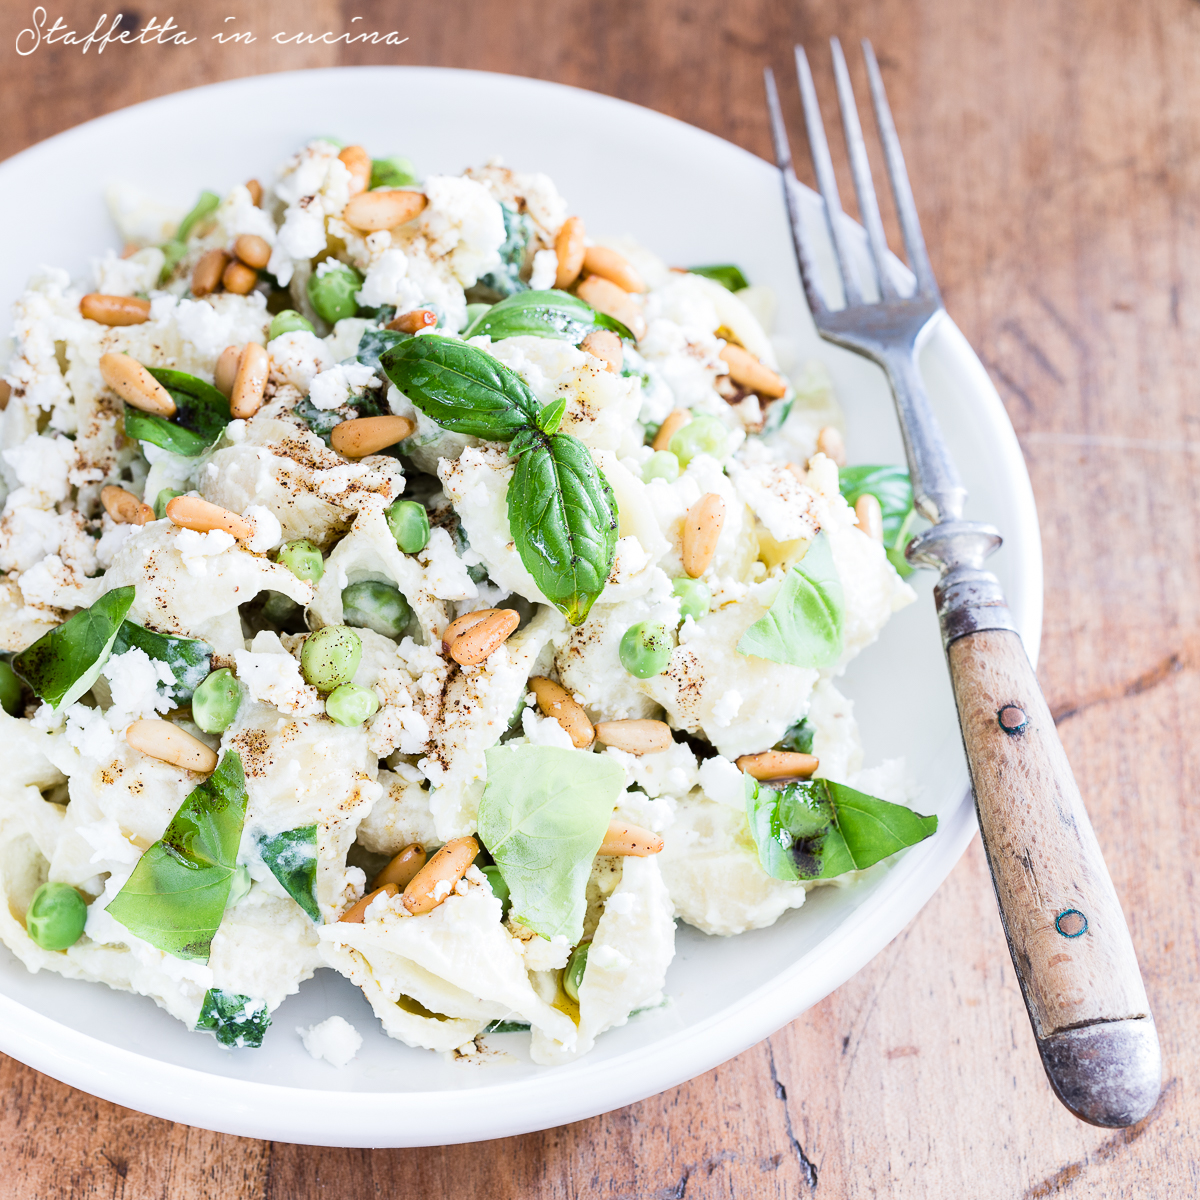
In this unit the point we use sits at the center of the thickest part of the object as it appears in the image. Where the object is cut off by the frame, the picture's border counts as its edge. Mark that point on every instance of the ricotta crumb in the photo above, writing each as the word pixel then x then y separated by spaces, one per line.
pixel 196 548
pixel 334 1039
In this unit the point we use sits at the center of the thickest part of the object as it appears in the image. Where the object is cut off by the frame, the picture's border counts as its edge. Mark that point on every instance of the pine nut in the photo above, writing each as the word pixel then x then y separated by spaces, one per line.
pixel 129 249
pixel 747 372
pixel 206 274
pixel 239 278
pixel 555 701
pixel 701 529
pixel 460 625
pixel 135 385
pixel 124 507
pixel 568 245
pixel 604 295
pixel 114 310
pixel 636 737
pixel 870 516
pixel 170 744
pixel 482 640
pixel 256 192
pixel 355 914
pixel 358 163
pixel 254 367
pixel 799 472
pixel 372 211
pixel 608 264
pixel 606 346
pixel 368 435
pixel 830 444
pixel 777 764
pixel 190 512
pixel 448 865
pixel 225 372
pixel 675 420
pixel 5 394
pixel 415 321
pixel 253 250
pixel 629 840
pixel 402 870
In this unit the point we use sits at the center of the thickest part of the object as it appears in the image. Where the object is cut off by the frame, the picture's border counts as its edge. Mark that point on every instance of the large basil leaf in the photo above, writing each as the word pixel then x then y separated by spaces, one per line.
pixel 188 658
pixel 726 274
pixel 506 278
pixel 548 314
pixel 176 896
pixel 892 487
pixel 291 857
pixel 64 663
pixel 804 624
pixel 201 414
pixel 563 518
pixel 542 818
pixel 820 829
pixel 235 1020
pixel 461 387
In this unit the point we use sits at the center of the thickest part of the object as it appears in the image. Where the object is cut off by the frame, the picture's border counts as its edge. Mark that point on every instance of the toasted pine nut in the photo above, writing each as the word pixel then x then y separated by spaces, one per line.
pixel 402 869
pixel 129 249
pixel 372 211
pixel 555 701
pixel 625 839
pixel 358 163
pixel 830 444
pixel 168 743
pixel 800 473
pixel 600 260
pixel 701 529
pixel 604 295
pixel 135 385
pixel 356 912
pixel 777 764
pixel 606 346
pixel 250 382
pixel 368 435
pixel 746 371
pixel 447 866
pixel 206 274
pixel 124 507
pixel 5 394
pixel 239 278
pixel 190 512
pixel 460 625
pixel 413 322
pixel 635 737
pixel 675 420
pixel 870 516
pixel 253 250
pixel 569 247
pixel 225 372
pixel 482 640
pixel 114 310
pixel 256 192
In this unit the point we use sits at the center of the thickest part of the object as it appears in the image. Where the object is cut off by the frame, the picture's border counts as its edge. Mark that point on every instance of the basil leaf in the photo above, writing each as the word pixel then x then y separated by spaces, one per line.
pixel 804 624
pixel 726 274
pixel 506 278
pixel 550 418
pixel 543 815
pixel 291 857
pixel 563 518
pixel 799 737
pixel 549 314
pixel 188 658
pixel 892 487
pixel 176 896
pixel 201 414
pixel 236 1020
pixel 394 172
pixel 64 663
pixel 461 387
pixel 174 249
pixel 820 829
pixel 320 420
pixel 375 342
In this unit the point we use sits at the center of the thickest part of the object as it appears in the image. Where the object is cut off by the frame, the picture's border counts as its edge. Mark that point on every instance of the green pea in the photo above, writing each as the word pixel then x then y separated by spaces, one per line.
pixel 332 293
pixel 215 702
pixel 393 172
pixel 330 657
pixel 701 435
pixel 10 689
pixel 303 559
pixel 572 975
pixel 377 606
pixel 499 887
pixel 162 500
pixel 56 916
pixel 351 704
pixel 288 321
pixel 695 598
pixel 662 464
pixel 645 650
pixel 409 523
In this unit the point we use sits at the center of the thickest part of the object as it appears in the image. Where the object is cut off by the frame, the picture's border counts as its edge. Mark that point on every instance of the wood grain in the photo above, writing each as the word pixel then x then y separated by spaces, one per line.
pixel 1053 148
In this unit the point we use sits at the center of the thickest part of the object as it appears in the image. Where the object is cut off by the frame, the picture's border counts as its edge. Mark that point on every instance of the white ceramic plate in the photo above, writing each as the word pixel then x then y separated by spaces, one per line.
pixel 694 199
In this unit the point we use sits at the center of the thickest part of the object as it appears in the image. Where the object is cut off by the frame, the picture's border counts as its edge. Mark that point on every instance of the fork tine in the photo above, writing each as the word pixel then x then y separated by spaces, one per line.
pixel 906 208
pixel 860 168
pixel 826 180
pixel 783 160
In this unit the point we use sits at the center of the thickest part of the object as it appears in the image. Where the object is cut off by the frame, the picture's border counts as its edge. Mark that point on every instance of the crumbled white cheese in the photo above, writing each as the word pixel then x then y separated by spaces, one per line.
pixel 334 1039
pixel 195 548
pixel 134 678
pixel 545 269
pixel 268 533
pixel 333 387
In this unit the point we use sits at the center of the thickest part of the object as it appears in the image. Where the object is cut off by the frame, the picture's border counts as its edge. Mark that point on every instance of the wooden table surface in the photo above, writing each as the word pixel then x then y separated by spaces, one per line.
pixel 1054 150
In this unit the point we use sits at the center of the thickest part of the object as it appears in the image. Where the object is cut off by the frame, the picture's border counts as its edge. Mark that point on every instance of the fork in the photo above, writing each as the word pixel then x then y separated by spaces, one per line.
pixel 1066 933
